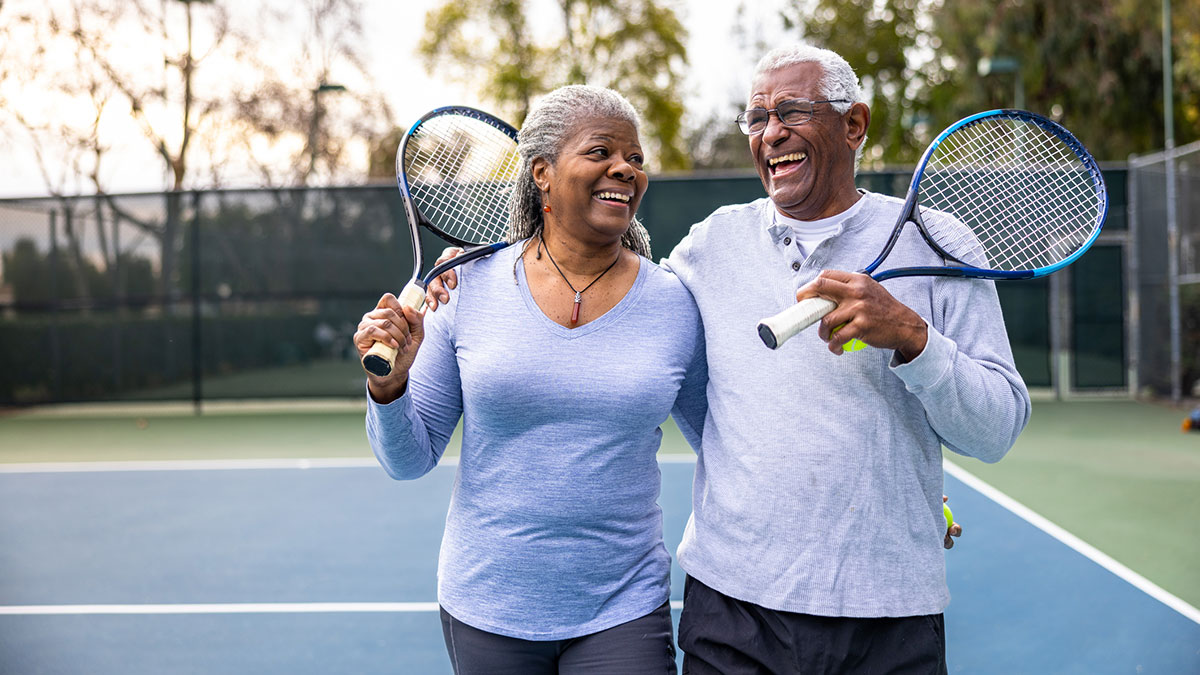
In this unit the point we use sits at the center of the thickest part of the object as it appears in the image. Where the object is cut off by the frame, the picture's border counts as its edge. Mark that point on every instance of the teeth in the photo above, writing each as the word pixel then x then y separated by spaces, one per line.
pixel 613 195
pixel 794 157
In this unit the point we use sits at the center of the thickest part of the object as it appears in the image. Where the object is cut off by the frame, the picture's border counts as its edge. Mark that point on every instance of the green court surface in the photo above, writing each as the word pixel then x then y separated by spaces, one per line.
pixel 1118 474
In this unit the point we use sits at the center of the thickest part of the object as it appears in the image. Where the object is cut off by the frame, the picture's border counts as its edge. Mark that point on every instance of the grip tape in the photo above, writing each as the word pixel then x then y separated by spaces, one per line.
pixel 780 328
pixel 380 358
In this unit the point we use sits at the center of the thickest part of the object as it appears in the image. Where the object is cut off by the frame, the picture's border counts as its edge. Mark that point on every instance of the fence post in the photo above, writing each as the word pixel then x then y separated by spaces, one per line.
pixel 197 351
pixel 55 302
pixel 1133 280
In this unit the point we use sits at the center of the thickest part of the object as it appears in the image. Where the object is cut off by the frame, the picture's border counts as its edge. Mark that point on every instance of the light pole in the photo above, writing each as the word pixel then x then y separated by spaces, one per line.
pixel 314 124
pixel 1176 321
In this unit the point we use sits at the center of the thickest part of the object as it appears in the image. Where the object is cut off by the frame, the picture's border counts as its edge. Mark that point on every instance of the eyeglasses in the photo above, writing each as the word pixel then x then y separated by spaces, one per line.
pixel 792 113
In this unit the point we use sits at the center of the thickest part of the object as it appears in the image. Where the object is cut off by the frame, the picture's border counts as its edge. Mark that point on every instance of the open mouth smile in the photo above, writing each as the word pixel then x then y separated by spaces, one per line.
pixel 613 197
pixel 786 163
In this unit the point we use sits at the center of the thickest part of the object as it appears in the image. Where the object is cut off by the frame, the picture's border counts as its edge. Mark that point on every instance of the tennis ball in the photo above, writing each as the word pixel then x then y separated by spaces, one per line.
pixel 854 345
pixel 949 516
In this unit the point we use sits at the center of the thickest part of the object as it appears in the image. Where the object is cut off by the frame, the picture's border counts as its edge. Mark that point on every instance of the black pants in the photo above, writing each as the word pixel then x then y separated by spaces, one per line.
pixel 724 636
pixel 641 646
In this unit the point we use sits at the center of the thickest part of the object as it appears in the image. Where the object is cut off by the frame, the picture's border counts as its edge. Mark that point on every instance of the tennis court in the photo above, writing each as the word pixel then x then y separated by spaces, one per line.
pixel 264 539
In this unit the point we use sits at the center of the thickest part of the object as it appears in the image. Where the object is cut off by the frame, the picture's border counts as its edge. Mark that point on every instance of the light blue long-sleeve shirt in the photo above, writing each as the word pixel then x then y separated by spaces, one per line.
pixel 819 481
pixel 553 530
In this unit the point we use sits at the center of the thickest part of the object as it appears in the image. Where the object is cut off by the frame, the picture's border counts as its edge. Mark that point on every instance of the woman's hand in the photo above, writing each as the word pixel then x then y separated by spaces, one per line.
pixel 402 328
pixel 439 289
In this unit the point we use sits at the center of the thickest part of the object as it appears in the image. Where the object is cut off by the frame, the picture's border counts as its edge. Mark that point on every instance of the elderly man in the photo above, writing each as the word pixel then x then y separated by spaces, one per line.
pixel 815 543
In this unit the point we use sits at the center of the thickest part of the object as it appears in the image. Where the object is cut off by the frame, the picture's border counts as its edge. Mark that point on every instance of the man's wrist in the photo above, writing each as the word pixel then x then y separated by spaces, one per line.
pixel 913 347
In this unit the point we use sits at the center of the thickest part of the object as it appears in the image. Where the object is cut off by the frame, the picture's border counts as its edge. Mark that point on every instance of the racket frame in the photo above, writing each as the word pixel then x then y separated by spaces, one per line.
pixel 379 359
pixel 776 330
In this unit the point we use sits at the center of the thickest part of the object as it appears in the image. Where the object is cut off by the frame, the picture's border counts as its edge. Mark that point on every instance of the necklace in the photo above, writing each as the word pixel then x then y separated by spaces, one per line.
pixel 579 293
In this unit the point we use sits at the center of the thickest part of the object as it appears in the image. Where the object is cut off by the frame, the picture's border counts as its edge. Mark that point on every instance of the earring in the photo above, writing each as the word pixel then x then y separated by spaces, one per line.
pixel 546 208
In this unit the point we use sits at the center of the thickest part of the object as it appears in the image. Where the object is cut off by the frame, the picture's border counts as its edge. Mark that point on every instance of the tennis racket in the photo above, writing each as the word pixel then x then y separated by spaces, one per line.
pixel 455 169
pixel 1004 194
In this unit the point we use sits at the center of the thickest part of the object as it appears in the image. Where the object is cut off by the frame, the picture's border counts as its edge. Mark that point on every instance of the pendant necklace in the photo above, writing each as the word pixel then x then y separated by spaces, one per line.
pixel 579 293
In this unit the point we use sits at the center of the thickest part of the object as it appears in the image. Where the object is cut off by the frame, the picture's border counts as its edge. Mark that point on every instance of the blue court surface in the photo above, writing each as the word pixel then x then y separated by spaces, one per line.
pixel 329 567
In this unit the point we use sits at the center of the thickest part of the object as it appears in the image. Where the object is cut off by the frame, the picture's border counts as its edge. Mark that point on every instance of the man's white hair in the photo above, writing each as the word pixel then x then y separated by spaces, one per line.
pixel 838 81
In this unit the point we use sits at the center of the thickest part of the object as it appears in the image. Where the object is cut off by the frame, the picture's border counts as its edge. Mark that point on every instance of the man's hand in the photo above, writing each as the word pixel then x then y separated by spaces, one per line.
pixel 865 310
pixel 955 530
pixel 439 289
pixel 402 328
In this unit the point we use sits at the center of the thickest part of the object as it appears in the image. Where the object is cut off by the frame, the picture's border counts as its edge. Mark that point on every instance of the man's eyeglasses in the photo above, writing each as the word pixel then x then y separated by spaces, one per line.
pixel 792 113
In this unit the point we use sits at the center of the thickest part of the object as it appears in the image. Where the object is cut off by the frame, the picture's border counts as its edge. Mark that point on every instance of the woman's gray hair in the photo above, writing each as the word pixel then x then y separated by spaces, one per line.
pixel 838 81
pixel 549 125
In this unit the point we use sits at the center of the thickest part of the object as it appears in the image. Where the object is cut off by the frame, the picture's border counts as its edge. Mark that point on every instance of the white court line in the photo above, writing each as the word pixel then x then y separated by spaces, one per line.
pixel 1095 555
pixel 1020 510
pixel 194 465
pixel 223 608
pixel 240 464
pixel 234 608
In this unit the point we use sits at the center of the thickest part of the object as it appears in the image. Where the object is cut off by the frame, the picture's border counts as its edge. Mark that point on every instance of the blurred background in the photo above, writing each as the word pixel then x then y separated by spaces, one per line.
pixel 198 196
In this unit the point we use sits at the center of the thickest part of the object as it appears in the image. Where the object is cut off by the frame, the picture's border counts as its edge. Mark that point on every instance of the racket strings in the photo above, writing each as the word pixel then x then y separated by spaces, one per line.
pixel 1011 192
pixel 456 184
pixel 460 171
pixel 1006 204
pixel 1016 192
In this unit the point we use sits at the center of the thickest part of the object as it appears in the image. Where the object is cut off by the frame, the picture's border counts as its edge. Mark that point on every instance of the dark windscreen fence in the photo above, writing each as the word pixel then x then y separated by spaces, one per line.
pixel 1168 312
pixel 245 294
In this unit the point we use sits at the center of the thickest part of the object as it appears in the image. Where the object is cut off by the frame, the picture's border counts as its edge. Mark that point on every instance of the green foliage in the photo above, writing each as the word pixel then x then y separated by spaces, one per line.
pixel 634 46
pixel 1098 68
pixel 111 355
pixel 880 40
pixel 35 277
pixel 717 143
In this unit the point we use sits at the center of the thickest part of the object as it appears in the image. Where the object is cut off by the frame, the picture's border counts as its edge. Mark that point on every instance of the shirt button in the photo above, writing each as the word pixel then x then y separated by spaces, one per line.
pixel 796 265
pixel 787 241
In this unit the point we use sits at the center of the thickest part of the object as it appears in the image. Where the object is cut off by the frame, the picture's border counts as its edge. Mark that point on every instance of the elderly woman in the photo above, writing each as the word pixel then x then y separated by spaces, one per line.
pixel 562 354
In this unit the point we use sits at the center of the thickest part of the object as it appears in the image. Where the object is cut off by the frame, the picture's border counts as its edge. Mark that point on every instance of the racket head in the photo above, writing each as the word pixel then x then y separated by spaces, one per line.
pixel 455 168
pixel 1008 194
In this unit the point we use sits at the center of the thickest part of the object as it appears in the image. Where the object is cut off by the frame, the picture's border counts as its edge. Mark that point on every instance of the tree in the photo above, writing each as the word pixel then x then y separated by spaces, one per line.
pixel 880 39
pixel 204 88
pixel 1098 71
pixel 634 46
pixel 316 107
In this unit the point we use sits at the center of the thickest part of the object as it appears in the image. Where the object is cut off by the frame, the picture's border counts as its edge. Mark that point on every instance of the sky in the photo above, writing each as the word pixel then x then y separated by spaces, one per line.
pixel 716 77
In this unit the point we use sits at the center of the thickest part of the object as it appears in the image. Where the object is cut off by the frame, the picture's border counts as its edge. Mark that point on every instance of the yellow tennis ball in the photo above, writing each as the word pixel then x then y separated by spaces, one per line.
pixel 949 516
pixel 853 345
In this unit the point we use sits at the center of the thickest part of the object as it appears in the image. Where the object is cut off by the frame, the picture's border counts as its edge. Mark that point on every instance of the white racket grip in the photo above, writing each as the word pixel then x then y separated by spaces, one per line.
pixel 780 328
pixel 381 357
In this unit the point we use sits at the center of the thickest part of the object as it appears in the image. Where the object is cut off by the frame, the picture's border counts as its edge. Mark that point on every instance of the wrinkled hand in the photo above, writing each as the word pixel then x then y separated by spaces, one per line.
pixel 439 289
pixel 865 310
pixel 400 327
pixel 955 530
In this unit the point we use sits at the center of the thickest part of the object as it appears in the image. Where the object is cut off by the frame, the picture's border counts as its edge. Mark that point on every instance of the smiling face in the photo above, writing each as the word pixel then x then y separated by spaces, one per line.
pixel 807 170
pixel 595 185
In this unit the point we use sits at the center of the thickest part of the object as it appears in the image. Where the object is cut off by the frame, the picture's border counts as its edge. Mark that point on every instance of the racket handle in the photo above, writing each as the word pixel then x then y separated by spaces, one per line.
pixel 780 328
pixel 381 357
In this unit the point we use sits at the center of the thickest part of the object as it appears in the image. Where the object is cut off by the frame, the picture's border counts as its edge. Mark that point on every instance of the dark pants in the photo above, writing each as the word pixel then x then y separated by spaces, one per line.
pixel 642 646
pixel 721 635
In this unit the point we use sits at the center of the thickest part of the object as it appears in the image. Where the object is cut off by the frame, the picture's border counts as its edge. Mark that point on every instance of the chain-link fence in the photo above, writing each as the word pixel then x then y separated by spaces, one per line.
pixel 1167 269
pixel 235 294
